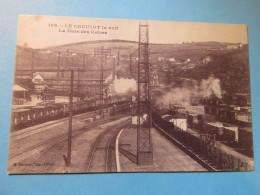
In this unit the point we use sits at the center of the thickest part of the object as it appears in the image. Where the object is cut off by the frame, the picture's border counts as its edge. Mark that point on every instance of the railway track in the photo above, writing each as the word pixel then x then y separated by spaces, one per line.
pixel 40 127
pixel 31 129
pixel 33 122
pixel 49 155
pixel 102 155
pixel 30 159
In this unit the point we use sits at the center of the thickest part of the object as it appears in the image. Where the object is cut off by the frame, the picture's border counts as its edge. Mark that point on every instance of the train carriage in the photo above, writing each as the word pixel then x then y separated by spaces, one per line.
pixel 231 115
pixel 245 138
pixel 16 118
pixel 31 115
pixel 37 113
pixel 221 113
pixel 207 109
pixel 205 146
pixel 20 117
pixel 230 134
pixel 214 129
pixel 195 121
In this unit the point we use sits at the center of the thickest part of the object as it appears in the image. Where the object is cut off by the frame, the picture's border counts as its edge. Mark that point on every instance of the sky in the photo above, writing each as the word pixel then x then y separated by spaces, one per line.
pixel 46 31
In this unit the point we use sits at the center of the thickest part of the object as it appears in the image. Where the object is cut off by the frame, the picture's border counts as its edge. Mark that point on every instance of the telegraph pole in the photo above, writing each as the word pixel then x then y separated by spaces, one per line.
pixel 32 65
pixel 70 118
pixel 102 53
pixel 130 66
pixel 84 60
pixel 78 87
pixel 118 57
pixel 114 69
pixel 67 158
pixel 58 73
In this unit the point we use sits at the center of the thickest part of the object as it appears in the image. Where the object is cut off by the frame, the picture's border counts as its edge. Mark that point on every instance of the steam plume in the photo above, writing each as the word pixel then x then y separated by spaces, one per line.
pixel 124 85
pixel 191 91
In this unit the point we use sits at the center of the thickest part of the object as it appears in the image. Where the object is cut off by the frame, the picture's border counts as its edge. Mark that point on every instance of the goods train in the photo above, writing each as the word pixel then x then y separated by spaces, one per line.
pixel 237 111
pixel 234 109
pixel 32 115
pixel 233 135
pixel 203 145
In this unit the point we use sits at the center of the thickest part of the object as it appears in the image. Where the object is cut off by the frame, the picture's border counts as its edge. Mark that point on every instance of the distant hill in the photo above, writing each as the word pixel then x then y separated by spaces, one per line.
pixel 125 47
pixel 226 61
pixel 230 66
pixel 194 51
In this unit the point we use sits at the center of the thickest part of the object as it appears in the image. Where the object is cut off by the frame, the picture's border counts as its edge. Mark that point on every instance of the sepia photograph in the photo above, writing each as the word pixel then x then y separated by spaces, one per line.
pixel 95 95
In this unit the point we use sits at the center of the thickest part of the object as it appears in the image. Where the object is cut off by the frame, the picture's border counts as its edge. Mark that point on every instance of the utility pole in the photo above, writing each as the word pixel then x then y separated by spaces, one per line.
pixel 58 73
pixel 84 60
pixel 105 90
pixel 67 158
pixel 70 118
pixel 78 69
pixel 114 69
pixel 102 53
pixel 78 86
pixel 118 58
pixel 144 116
pixel 130 66
pixel 32 65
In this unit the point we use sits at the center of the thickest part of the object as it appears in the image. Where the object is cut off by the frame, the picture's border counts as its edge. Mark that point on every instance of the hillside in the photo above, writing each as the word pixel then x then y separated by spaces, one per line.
pixel 125 47
pixel 196 60
pixel 231 67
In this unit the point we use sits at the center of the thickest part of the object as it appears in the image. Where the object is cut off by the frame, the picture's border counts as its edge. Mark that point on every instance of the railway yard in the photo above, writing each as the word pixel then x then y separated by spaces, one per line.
pixel 109 144
pixel 41 148
pixel 113 106
pixel 114 135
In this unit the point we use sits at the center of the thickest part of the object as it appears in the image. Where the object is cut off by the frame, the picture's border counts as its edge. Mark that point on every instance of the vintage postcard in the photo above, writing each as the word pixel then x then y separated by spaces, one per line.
pixel 107 95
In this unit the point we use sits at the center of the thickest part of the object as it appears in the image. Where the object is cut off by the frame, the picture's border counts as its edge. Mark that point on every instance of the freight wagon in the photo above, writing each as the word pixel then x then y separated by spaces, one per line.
pixel 195 121
pixel 204 147
pixel 28 116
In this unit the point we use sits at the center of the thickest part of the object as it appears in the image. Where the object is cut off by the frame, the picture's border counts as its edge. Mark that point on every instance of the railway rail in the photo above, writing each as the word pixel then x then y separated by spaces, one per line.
pixel 31 116
pixel 44 127
pixel 207 154
pixel 30 159
pixel 101 155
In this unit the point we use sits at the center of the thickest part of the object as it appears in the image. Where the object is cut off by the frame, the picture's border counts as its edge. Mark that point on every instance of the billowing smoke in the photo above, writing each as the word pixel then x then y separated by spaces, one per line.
pixel 190 92
pixel 209 87
pixel 124 85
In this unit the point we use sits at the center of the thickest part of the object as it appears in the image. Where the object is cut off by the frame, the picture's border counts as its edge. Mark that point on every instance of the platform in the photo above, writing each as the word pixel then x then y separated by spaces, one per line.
pixel 166 156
